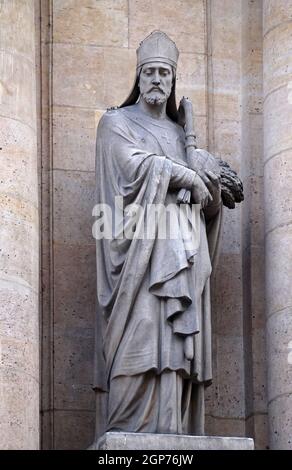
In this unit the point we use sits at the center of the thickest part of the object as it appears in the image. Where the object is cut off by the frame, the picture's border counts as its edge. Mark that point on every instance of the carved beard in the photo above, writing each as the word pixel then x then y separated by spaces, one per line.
pixel 155 97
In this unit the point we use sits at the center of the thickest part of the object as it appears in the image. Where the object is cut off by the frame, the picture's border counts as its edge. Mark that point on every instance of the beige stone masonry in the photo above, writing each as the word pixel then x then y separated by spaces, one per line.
pixel 19 234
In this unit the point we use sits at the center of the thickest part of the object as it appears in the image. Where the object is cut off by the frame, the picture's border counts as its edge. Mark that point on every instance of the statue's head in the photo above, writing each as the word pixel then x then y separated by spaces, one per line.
pixel 157 58
pixel 155 82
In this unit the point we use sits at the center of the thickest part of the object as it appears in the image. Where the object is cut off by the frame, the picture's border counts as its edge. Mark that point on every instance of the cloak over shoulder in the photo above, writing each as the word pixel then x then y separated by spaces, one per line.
pixel 152 293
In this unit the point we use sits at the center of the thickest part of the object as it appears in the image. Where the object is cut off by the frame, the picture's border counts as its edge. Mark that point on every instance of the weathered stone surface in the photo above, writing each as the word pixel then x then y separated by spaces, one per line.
pixel 225 411
pixel 257 425
pixel 280 418
pixel 21 326
pixel 257 285
pixel 258 366
pixel 275 12
pixel 253 80
pixel 220 426
pixel 253 254
pixel 254 164
pixel 20 355
pixel 143 441
pixel 200 126
pixel 46 436
pixel 19 249
pixel 278 265
pixel 74 326
pixel 19 226
pixel 73 378
pixel 227 302
pixel 17 88
pixel 230 243
pixel 253 229
pixel 277 110
pixel 279 342
pixel 102 23
pixel 18 157
pixel 227 135
pixel 226 104
pixel 19 408
pixel 277 57
pixel 74 272
pixel 74 430
pixel 224 46
pixel 91 75
pixel 182 20
pixel 17 34
pixel 228 383
pixel 73 204
pixel 226 19
pixel 277 131
pixel 278 191
pixel 74 132
pixel 190 80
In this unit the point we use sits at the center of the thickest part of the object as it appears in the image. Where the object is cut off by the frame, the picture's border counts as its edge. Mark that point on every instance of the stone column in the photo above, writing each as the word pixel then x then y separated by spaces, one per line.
pixel 277 45
pixel 19 235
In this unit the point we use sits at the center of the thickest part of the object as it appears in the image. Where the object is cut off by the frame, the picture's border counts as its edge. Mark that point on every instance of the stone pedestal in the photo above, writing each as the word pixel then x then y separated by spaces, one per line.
pixel 147 441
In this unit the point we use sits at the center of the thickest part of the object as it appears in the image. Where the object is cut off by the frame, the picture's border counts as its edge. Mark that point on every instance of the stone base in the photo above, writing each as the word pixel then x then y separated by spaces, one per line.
pixel 147 441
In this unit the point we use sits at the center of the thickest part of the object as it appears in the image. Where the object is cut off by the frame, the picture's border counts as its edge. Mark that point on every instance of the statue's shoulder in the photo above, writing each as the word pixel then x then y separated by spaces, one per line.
pixel 114 110
pixel 113 113
pixel 110 117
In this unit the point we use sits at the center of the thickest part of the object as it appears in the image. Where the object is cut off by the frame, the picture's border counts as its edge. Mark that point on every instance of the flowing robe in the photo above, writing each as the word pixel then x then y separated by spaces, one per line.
pixel 152 293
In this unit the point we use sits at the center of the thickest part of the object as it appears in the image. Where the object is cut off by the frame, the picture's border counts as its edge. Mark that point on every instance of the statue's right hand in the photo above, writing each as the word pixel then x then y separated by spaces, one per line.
pixel 200 193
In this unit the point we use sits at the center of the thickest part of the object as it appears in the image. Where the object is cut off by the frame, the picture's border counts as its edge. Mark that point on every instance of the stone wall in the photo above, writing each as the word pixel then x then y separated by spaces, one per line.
pixel 235 65
pixel 277 82
pixel 226 406
pixel 92 54
pixel 92 47
pixel 19 233
pixel 253 252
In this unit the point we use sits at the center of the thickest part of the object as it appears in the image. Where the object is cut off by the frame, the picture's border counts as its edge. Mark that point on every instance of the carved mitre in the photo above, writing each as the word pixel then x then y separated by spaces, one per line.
pixel 157 47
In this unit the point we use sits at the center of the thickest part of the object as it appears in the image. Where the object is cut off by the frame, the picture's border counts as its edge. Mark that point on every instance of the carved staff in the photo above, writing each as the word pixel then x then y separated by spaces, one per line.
pixel 201 160
pixel 186 115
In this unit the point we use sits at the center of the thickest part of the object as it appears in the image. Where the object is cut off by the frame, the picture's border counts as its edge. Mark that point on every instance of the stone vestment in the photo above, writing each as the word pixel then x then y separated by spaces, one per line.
pixel 152 293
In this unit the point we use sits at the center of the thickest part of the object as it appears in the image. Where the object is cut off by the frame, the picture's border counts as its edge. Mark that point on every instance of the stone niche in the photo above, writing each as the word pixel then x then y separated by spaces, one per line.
pixel 88 55
pixel 69 61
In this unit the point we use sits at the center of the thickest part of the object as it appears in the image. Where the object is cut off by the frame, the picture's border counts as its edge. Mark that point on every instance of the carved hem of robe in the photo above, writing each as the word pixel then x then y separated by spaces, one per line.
pixel 164 404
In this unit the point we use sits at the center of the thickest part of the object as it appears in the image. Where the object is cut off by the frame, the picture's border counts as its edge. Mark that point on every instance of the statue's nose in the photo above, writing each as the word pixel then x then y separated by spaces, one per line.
pixel 156 79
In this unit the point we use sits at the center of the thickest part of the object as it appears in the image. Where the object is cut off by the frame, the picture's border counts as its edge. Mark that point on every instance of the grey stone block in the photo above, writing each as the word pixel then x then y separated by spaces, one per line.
pixel 147 441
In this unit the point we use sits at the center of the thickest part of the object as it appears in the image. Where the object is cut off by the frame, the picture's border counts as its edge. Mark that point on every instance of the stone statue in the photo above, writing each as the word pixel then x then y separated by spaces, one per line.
pixel 153 353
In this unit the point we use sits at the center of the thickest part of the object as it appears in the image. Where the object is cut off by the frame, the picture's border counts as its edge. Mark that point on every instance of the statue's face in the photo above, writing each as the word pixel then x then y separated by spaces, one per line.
pixel 155 82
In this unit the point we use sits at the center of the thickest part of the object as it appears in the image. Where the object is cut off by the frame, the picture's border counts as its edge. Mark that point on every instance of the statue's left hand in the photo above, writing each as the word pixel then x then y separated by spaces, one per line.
pixel 213 183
